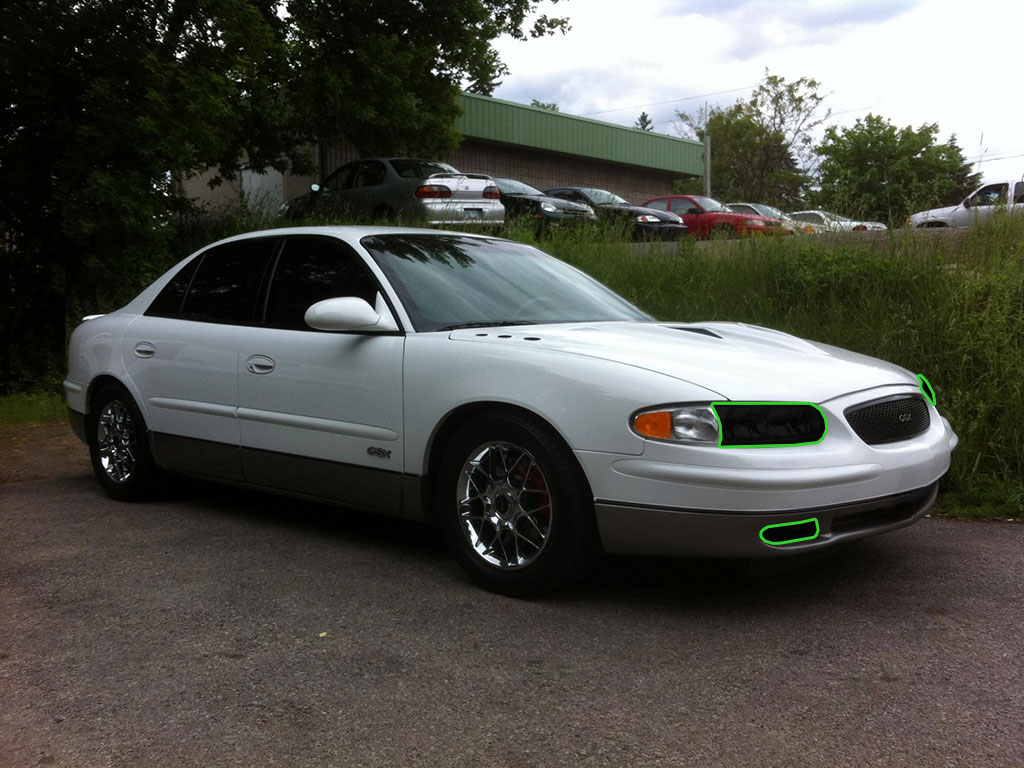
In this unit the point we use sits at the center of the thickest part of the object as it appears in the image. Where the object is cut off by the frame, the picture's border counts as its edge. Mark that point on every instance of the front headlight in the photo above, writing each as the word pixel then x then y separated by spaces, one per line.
pixel 645 218
pixel 695 424
pixel 754 223
pixel 731 424
pixel 548 208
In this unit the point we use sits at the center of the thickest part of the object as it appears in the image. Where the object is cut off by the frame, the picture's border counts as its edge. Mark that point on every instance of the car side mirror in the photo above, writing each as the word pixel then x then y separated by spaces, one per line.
pixel 967 203
pixel 350 313
pixel 314 187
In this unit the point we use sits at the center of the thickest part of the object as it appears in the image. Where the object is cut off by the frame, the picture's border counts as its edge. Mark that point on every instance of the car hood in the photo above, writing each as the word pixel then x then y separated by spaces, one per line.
pixel 734 360
pixel 934 213
pixel 639 210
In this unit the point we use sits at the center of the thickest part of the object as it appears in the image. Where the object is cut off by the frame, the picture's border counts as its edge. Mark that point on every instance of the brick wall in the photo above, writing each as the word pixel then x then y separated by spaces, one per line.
pixel 545 170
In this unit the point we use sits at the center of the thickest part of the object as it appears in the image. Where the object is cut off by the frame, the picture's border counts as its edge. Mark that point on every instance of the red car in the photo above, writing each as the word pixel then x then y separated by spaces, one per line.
pixel 708 218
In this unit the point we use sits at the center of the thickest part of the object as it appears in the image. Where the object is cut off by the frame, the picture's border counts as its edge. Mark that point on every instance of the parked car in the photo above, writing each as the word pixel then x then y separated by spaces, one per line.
pixel 779 223
pixel 522 200
pixel 977 206
pixel 487 387
pixel 825 221
pixel 403 189
pixel 646 223
pixel 706 217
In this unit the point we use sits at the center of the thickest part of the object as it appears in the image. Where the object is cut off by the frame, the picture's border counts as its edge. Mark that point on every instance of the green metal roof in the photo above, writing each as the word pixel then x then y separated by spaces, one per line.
pixel 509 123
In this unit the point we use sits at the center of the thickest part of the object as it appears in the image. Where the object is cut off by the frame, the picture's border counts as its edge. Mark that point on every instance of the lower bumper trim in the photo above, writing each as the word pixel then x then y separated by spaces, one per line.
pixel 641 530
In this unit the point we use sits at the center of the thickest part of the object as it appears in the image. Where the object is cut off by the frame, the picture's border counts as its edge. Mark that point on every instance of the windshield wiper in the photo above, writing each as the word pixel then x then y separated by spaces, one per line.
pixel 492 324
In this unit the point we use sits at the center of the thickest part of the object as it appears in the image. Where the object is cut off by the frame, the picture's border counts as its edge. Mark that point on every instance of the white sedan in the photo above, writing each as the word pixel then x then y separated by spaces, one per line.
pixel 482 385
pixel 826 221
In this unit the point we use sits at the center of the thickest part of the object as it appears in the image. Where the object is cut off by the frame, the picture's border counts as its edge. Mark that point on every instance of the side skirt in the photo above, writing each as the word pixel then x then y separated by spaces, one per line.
pixel 365 488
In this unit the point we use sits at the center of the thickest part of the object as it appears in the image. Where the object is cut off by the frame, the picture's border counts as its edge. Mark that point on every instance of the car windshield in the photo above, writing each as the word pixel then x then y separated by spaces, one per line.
pixel 603 197
pixel 512 187
pixel 709 204
pixel 456 281
pixel 769 211
pixel 410 168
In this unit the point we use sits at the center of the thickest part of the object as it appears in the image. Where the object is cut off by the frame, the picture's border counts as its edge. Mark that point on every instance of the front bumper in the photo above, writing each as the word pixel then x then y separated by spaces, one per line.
pixel 633 530
pixel 660 231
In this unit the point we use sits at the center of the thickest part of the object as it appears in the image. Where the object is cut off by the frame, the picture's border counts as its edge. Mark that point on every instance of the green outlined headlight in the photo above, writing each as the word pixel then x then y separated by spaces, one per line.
pixel 764 424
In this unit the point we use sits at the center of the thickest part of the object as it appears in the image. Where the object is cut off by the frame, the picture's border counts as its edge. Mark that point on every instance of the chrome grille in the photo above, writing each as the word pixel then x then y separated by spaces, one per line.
pixel 889 420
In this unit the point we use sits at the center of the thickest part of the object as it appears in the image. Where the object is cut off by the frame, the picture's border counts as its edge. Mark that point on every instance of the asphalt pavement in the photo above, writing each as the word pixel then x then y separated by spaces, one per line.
pixel 223 628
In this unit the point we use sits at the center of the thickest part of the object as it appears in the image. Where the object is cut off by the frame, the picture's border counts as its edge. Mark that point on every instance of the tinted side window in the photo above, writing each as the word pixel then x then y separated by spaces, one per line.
pixel 341 178
pixel 168 302
pixel 311 269
pixel 659 205
pixel 226 284
pixel 370 174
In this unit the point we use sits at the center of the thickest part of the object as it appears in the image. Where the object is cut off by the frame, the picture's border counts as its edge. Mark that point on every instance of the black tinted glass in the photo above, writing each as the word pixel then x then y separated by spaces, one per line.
pixel 168 302
pixel 311 269
pixel 226 284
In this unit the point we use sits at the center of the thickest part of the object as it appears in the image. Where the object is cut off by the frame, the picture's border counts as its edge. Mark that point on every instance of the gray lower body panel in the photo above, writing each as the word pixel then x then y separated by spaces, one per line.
pixel 362 487
pixel 638 530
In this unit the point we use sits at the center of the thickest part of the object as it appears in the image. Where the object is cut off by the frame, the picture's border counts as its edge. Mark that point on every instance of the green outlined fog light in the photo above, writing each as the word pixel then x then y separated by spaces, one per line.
pixel 790 533
pixel 926 389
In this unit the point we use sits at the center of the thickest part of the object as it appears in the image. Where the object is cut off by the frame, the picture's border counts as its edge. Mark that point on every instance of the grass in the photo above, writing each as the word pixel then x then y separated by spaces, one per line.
pixel 31 408
pixel 950 307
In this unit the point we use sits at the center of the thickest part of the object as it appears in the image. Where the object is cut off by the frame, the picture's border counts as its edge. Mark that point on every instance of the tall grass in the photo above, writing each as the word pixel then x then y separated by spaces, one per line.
pixel 948 305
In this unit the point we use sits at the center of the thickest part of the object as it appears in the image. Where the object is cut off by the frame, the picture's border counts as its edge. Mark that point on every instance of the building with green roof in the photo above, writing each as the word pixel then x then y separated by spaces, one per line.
pixel 538 146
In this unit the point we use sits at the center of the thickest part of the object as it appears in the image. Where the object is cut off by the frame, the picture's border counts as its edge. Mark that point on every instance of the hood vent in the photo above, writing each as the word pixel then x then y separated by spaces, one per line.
pixel 694 329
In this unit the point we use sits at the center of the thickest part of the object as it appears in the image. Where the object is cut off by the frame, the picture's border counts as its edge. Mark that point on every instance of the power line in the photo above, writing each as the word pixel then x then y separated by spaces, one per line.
pixel 670 101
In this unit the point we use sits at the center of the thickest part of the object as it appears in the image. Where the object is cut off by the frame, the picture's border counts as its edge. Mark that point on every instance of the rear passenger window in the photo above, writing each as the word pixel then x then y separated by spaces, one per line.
pixel 221 286
pixel 311 269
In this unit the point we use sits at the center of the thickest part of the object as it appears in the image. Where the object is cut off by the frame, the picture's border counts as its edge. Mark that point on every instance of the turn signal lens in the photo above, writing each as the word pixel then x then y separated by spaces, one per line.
pixel 657 425
pixel 492 193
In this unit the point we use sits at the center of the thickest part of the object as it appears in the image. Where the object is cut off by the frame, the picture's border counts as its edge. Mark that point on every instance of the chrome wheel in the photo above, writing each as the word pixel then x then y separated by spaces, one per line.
pixel 116 441
pixel 504 505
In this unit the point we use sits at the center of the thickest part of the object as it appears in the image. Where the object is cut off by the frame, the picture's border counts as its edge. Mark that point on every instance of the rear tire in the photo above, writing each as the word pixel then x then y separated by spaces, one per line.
pixel 119 446
pixel 515 508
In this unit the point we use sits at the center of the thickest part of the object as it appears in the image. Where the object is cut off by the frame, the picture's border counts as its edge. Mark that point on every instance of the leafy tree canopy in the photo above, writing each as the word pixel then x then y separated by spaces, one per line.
pixel 644 122
pixel 108 104
pixel 877 171
pixel 761 146
pixel 385 75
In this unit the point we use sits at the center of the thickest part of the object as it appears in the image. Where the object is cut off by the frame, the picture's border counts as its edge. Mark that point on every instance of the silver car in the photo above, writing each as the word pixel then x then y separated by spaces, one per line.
pixel 404 189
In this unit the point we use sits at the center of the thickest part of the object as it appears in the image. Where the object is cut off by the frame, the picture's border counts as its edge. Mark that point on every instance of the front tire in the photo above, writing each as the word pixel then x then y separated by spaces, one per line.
pixel 515 507
pixel 119 446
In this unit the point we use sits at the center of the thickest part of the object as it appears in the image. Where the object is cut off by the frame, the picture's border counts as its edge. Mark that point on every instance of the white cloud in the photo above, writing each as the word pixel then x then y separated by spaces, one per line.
pixel 911 62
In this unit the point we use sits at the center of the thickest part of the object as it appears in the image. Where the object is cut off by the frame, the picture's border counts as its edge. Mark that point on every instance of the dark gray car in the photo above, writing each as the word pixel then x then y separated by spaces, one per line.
pixel 404 189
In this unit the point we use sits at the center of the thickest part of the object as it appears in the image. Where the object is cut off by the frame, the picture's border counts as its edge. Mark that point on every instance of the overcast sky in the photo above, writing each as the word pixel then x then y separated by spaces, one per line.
pixel 958 63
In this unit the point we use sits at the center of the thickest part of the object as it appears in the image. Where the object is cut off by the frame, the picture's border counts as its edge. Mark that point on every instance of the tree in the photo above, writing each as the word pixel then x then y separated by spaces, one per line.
pixel 386 75
pixel 548 105
pixel 878 171
pixel 108 104
pixel 760 146
pixel 644 122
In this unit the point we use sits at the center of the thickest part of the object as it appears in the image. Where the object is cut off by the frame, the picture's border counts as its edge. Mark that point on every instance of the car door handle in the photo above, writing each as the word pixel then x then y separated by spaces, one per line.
pixel 259 364
pixel 144 349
